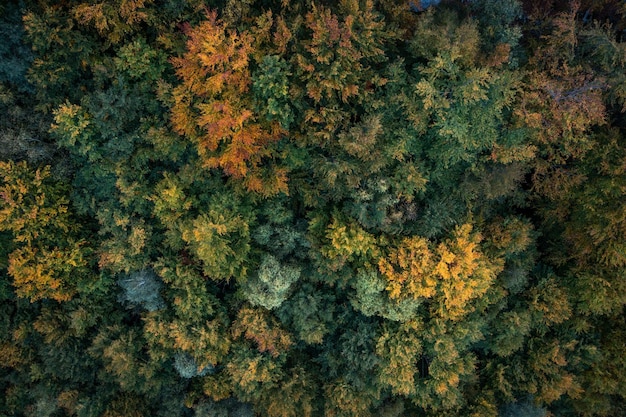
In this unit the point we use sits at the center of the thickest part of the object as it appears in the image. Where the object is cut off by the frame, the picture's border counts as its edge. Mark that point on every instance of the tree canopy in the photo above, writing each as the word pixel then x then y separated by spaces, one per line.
pixel 312 208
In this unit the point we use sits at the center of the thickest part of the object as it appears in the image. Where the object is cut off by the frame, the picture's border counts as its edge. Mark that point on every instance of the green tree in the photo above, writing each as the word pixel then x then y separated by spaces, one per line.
pixel 220 238
pixel 141 288
pixel 270 285
pixel 289 208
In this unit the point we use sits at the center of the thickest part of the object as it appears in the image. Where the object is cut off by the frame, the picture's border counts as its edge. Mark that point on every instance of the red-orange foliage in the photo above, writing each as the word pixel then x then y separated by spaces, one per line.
pixel 211 109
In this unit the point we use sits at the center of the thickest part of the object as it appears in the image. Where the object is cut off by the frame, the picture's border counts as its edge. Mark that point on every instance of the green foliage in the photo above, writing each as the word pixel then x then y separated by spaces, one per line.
pixel 310 313
pixel 226 408
pixel 140 61
pixel 335 62
pixel 312 208
pixel 511 329
pixel 497 19
pixel 187 367
pixel 399 348
pixel 252 373
pixel 271 283
pixel 15 56
pixel 141 288
pixel 350 366
pixel 452 87
pixel 59 69
pixel 371 299
pixel 195 323
pixel 271 88
pixel 219 238
pixel 72 123
pixel 524 408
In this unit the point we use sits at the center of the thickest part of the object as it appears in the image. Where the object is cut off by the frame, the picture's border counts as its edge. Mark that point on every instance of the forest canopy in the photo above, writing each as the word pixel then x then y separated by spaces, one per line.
pixel 312 208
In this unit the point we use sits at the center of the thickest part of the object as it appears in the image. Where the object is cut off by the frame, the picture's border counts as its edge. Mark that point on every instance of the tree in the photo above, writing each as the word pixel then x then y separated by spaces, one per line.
pixel 562 104
pixel 309 312
pixel 209 109
pixel 270 286
pixel 399 349
pixel 256 325
pixel 195 322
pixel 141 288
pixel 34 210
pixel 219 238
pixel 313 208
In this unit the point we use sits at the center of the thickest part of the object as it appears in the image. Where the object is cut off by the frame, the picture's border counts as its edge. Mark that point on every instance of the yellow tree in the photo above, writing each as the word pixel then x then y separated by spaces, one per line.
pixel 465 273
pixel 451 274
pixel 49 256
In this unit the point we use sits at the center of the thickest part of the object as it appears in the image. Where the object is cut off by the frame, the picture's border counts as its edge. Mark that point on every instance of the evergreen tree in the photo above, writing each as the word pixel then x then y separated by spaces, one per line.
pixel 312 208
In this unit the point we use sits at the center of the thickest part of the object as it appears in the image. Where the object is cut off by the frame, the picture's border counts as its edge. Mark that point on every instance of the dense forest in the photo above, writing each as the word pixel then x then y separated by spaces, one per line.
pixel 354 208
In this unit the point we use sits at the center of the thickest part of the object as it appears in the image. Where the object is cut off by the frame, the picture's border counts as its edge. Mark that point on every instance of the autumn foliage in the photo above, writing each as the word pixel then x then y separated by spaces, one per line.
pixel 311 208
pixel 210 108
